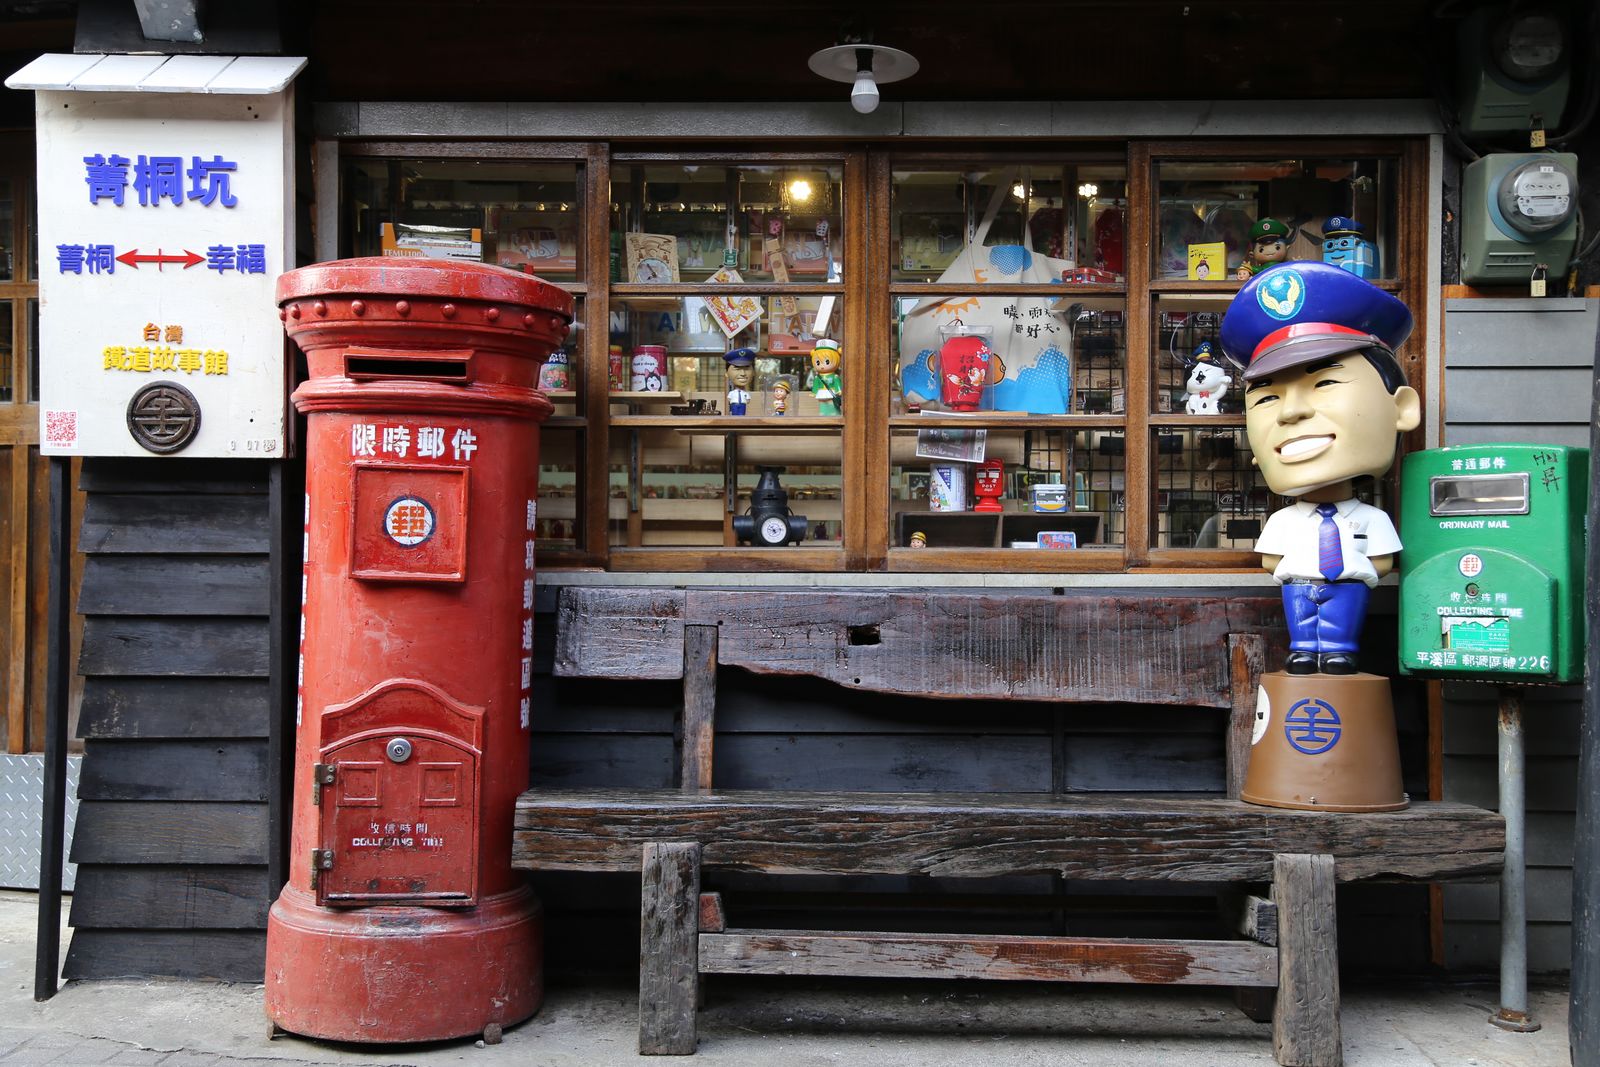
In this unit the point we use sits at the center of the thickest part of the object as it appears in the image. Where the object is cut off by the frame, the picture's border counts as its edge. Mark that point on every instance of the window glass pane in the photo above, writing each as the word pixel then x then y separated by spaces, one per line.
pixel 1038 355
pixel 678 222
pixel 8 218
pixel 1191 374
pixel 522 215
pixel 683 332
pixel 33 232
pixel 1207 210
pixel 561 375
pixel 669 487
pixel 1208 495
pixel 1006 487
pixel 7 356
pixel 33 351
pixel 560 523
pixel 1074 216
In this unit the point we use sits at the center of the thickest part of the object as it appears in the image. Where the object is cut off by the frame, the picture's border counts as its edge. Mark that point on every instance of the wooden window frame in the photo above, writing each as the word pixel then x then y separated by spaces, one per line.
pixel 22 653
pixel 868 342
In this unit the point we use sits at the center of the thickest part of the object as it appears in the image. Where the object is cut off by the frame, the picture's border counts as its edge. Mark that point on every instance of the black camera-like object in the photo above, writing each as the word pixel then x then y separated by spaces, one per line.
pixel 769 521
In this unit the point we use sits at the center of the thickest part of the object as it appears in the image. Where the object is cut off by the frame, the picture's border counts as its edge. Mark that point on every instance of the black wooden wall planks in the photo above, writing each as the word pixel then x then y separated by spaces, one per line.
pixel 173 840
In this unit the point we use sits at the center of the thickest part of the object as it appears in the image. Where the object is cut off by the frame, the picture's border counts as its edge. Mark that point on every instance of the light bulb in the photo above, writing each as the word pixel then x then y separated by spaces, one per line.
pixel 864 93
pixel 800 189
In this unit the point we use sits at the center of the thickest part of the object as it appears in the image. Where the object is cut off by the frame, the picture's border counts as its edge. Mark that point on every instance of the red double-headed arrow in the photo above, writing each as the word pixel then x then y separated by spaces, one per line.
pixel 133 259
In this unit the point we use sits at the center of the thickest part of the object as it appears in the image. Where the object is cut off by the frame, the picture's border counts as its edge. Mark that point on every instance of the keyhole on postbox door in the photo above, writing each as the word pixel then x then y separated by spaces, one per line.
pixel 398 749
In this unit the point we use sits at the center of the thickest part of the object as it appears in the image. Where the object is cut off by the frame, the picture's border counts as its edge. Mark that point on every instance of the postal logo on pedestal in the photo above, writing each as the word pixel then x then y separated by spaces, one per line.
pixel 1471 565
pixel 1312 726
pixel 1282 293
pixel 408 521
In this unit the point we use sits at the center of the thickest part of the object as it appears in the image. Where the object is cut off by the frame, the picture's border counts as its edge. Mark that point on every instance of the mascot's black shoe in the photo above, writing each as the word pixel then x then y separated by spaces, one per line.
pixel 1338 663
pixel 1301 663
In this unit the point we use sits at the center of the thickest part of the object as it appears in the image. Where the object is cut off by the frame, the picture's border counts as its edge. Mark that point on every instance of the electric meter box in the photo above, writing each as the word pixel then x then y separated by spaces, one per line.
pixel 1518 210
pixel 1515 71
pixel 1491 577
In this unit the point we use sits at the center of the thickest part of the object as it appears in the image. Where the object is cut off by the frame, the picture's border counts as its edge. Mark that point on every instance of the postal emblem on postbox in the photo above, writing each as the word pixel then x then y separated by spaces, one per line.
pixel 409 521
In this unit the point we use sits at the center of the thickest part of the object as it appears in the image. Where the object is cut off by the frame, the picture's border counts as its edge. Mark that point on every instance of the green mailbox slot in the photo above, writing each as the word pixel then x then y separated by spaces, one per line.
pixel 1491 577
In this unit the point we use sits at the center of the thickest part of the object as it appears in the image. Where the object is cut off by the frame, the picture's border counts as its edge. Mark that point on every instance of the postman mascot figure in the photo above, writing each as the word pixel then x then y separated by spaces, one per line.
pixel 1325 402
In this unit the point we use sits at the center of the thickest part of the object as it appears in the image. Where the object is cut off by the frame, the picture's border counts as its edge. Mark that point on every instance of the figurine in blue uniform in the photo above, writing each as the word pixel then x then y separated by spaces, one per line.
pixel 1345 245
pixel 1325 400
pixel 741 376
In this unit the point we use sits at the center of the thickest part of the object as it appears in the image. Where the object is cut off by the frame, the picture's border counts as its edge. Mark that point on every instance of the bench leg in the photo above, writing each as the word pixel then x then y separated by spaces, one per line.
pixel 669 949
pixel 1305 1020
pixel 1257 1003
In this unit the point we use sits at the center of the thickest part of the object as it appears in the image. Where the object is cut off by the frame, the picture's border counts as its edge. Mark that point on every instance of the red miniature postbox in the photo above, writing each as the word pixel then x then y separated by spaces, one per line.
pixel 989 485
pixel 402 919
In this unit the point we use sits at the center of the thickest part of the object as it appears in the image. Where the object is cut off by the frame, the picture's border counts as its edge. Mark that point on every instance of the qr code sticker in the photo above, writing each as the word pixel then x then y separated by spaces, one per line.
pixel 61 428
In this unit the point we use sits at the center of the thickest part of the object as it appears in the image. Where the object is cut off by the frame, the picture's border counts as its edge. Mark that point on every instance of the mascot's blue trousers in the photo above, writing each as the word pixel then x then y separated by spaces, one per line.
pixel 1324 616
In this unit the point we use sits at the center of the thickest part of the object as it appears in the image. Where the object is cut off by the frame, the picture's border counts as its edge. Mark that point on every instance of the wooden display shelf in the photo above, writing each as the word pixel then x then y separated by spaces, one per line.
pixel 734 424
pixel 639 396
pixel 1005 419
pixel 993 529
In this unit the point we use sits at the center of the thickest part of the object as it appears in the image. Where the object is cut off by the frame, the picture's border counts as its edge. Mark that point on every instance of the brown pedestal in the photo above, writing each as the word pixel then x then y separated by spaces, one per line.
pixel 1324 742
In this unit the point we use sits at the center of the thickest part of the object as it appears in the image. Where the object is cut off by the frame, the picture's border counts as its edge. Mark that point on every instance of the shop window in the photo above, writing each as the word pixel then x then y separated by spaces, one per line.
pixel 685 222
pixel 521 215
pixel 1022 488
pixel 1207 209
pixel 1009 225
pixel 7 353
pixel 33 351
pixel 8 219
pixel 722 398
pixel 559 526
pixel 1020 336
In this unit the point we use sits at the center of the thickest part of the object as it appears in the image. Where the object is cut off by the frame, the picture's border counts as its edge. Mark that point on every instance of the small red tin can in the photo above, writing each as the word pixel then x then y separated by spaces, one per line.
pixel 617 370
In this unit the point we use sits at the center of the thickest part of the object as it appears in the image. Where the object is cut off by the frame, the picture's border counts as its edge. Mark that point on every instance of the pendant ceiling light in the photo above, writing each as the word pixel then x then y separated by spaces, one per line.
pixel 866 66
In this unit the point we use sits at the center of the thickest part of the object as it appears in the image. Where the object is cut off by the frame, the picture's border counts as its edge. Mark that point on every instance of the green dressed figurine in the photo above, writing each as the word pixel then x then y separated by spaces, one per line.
pixel 1269 246
pixel 826 384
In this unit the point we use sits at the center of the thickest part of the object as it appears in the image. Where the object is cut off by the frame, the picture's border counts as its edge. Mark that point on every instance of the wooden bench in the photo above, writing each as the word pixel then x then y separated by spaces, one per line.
pixel 1147 653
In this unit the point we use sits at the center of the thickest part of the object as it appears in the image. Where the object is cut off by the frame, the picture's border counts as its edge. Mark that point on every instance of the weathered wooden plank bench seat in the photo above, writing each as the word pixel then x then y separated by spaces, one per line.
pixel 1287 940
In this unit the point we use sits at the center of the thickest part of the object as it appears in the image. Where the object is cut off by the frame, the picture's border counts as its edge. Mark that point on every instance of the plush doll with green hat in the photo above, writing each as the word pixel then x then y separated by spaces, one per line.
pixel 1269 245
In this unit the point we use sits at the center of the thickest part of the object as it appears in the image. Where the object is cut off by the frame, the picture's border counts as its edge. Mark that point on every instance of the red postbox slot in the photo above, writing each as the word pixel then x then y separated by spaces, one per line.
pixel 371 364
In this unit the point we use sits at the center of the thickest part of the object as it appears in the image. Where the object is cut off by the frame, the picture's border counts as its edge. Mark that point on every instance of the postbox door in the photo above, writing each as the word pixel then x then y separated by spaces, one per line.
pixel 399 821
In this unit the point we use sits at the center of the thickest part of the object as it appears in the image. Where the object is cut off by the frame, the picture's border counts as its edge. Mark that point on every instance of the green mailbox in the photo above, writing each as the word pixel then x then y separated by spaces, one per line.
pixel 1491 577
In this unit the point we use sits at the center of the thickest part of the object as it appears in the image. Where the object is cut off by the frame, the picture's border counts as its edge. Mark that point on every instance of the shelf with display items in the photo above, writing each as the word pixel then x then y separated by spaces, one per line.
pixel 1014 529
pixel 679 481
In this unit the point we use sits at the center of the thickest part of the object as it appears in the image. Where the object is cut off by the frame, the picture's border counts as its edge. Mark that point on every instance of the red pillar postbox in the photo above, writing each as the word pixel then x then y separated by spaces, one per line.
pixel 402 919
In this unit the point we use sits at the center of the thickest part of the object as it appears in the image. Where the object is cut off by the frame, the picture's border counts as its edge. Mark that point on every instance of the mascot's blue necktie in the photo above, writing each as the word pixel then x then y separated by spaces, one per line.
pixel 1330 559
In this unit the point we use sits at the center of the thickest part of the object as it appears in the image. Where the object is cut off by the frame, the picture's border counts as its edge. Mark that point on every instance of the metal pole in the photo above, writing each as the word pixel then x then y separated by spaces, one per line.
pixel 1583 1014
pixel 52 834
pixel 1513 1013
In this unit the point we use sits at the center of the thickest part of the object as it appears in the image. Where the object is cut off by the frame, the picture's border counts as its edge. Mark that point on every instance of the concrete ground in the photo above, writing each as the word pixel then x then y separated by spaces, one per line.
pixel 772 1023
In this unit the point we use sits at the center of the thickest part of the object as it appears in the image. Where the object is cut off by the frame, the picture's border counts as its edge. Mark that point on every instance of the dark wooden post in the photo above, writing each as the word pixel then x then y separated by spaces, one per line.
pixel 1247 658
pixel 1305 1020
pixel 669 949
pixel 699 708
pixel 1583 1017
pixel 58 622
